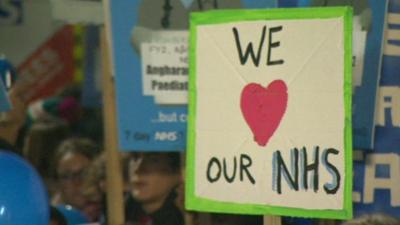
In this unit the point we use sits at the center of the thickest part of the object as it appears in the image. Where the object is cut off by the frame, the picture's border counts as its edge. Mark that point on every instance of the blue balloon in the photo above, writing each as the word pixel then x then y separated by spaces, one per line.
pixel 23 198
pixel 72 215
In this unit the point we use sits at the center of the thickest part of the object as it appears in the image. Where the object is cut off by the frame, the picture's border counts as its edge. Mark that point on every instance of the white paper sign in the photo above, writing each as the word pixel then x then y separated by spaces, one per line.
pixel 269 113
pixel 165 67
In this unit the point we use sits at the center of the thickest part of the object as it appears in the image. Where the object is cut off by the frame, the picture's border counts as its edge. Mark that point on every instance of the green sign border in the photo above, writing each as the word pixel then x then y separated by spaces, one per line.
pixel 194 202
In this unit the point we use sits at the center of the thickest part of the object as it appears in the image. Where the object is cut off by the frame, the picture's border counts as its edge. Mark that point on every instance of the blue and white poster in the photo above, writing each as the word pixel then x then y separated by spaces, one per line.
pixel 377 172
pixel 150 56
pixel 367 71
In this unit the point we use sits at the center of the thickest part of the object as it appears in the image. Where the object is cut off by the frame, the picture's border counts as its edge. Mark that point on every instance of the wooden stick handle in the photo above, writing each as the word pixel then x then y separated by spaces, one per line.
pixel 115 204
pixel 272 220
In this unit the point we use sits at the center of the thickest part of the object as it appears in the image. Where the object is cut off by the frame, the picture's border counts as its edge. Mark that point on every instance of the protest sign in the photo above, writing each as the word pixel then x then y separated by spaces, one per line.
pixel 270 112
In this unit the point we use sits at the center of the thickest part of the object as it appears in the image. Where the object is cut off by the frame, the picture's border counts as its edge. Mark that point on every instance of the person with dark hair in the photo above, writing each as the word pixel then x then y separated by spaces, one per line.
pixel 72 157
pixel 153 178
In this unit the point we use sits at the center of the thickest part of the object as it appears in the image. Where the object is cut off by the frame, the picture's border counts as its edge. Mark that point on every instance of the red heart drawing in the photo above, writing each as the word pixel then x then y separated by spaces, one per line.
pixel 263 108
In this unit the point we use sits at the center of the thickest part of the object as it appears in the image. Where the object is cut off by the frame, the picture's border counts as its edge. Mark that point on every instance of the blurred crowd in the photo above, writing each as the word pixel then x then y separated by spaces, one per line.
pixel 63 141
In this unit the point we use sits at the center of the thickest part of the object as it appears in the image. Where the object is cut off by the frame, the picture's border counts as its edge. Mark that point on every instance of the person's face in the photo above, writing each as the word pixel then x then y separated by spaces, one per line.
pixel 70 174
pixel 151 177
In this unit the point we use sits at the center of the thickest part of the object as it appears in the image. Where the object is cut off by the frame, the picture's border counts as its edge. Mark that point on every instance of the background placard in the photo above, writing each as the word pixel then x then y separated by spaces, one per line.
pixel 159 41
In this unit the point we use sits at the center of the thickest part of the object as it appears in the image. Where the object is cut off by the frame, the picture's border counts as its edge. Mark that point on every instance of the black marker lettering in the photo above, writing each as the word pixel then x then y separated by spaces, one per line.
pixel 273 45
pixel 249 50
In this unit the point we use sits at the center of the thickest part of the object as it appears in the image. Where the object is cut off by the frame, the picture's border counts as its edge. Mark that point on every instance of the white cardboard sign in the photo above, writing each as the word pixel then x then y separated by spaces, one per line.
pixel 270 112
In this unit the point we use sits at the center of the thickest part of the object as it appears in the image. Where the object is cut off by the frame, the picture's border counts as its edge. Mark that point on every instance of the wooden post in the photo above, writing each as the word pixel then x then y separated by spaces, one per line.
pixel 114 181
pixel 272 220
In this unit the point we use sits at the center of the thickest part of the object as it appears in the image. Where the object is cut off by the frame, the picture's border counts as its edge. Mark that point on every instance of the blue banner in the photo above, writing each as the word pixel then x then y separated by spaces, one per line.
pixel 377 172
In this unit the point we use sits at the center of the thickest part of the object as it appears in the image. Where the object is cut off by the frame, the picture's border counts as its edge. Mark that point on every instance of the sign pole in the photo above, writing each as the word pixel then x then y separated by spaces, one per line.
pixel 114 181
pixel 272 220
